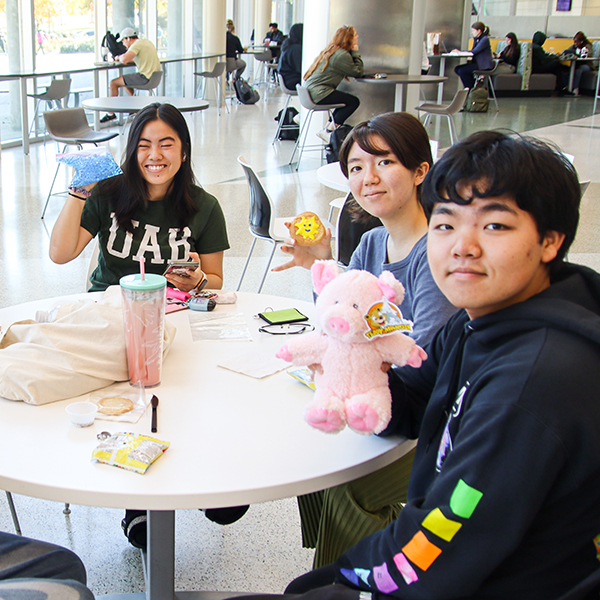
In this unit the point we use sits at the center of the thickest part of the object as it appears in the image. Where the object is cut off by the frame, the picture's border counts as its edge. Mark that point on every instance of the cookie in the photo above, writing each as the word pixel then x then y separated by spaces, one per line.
pixel 115 406
pixel 306 229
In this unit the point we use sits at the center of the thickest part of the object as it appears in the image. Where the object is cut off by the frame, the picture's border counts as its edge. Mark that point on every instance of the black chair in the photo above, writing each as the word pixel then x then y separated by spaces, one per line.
pixel 263 225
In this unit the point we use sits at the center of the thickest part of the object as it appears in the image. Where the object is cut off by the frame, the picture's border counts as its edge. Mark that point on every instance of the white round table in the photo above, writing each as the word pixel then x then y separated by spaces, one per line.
pixel 234 439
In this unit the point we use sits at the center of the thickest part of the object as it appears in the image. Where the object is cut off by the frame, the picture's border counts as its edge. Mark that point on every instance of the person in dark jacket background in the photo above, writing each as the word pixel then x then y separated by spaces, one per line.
pixel 482 55
pixel 503 496
pixel 544 62
pixel 290 61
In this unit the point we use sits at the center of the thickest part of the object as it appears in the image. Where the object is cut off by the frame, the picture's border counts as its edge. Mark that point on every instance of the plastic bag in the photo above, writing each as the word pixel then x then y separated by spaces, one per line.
pixel 91 165
pixel 130 451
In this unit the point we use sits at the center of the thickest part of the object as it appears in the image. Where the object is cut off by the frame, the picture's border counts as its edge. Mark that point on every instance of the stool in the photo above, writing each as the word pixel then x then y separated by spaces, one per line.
pixel 306 102
pixel 215 74
pixel 152 83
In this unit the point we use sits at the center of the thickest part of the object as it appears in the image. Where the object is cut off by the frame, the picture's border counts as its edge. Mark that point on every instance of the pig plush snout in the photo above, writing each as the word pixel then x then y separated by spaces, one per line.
pixel 339 325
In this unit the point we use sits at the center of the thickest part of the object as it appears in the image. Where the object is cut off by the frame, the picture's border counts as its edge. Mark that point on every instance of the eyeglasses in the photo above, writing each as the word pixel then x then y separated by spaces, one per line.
pixel 286 328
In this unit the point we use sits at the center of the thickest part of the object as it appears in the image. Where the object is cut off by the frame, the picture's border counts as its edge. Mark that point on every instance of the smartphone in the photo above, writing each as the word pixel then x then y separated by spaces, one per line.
pixel 183 268
pixel 280 317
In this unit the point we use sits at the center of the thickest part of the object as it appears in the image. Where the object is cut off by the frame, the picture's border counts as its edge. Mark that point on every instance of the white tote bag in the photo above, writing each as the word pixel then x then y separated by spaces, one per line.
pixel 81 350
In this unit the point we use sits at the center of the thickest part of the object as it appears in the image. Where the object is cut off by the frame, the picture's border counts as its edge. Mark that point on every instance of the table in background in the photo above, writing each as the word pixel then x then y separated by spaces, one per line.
pixel 331 175
pixel 573 66
pixel 442 71
pixel 401 81
pixel 132 104
pixel 234 440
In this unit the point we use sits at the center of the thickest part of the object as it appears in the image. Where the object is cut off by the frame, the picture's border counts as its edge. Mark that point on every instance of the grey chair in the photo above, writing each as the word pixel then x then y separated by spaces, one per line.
pixel 264 58
pixel 306 101
pixel 263 224
pixel 445 110
pixel 289 93
pixel 69 126
pixel 57 91
pixel 488 77
pixel 215 75
pixel 152 84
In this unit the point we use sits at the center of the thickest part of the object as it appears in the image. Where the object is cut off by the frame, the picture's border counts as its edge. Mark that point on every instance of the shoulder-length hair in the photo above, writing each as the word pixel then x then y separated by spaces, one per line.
pixel 130 191
pixel 342 40
pixel 402 132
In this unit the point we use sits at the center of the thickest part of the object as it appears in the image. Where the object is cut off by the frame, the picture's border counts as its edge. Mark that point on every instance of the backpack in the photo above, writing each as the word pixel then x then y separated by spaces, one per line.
pixel 292 129
pixel 244 92
pixel 114 47
pixel 336 140
pixel 477 100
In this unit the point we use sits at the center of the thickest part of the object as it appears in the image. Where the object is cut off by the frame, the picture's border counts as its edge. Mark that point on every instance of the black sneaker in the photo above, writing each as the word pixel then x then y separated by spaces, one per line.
pixel 107 118
pixel 134 528
pixel 226 516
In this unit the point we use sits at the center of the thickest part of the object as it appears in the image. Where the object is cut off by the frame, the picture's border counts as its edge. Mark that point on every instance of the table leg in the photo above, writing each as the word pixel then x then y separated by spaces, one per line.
pixel 160 562
pixel 96 95
pixel 400 98
pixel 440 96
pixel 24 117
pixel 572 74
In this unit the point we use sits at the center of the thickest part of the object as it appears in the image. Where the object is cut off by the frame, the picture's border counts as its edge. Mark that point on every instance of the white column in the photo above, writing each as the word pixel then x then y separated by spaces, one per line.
pixel 316 37
pixel 417 37
pixel 262 18
pixel 213 36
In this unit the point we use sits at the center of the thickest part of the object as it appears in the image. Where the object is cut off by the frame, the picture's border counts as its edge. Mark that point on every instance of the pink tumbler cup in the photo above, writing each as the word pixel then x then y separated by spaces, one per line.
pixel 144 317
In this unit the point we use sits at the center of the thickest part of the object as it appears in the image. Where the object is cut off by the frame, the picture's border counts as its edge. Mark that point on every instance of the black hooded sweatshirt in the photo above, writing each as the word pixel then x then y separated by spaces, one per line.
pixel 504 496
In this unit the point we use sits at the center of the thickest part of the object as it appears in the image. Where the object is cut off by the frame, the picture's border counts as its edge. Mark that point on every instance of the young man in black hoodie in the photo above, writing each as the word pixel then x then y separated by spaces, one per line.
pixel 504 495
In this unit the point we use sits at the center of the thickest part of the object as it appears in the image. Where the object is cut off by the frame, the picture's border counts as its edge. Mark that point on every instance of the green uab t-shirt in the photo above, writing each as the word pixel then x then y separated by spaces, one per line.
pixel 156 236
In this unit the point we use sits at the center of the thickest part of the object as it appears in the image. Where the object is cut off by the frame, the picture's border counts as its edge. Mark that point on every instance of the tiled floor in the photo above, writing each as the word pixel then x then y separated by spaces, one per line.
pixel 262 552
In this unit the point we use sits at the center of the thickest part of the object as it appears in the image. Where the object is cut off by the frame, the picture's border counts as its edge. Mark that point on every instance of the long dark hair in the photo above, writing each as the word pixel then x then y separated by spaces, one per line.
pixel 402 132
pixel 514 47
pixel 130 191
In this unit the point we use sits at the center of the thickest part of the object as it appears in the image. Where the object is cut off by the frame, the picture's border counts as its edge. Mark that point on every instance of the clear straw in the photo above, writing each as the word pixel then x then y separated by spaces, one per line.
pixel 143 268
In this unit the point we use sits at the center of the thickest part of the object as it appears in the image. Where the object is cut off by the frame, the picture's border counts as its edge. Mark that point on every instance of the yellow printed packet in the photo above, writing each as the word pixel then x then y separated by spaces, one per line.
pixel 131 451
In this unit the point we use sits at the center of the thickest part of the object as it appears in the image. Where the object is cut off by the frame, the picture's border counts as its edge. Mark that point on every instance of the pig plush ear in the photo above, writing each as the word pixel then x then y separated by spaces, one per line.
pixel 323 271
pixel 391 288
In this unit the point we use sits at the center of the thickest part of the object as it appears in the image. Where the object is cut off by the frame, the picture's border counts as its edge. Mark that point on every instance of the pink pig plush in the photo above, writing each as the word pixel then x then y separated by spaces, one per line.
pixel 361 329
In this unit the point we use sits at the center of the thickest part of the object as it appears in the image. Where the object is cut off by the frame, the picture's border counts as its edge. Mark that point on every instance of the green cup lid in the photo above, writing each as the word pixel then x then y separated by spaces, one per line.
pixel 151 282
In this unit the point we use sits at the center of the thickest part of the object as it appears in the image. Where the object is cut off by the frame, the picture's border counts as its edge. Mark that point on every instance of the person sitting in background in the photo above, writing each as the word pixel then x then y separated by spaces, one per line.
pixel 274 38
pixel 32 569
pixel 508 59
pixel 290 61
pixel 233 49
pixel 583 48
pixel 339 60
pixel 544 62
pixel 482 59
pixel 143 54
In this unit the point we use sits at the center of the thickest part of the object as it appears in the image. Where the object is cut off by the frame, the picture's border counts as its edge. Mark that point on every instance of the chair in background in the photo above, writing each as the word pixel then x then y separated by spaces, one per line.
pixel 215 75
pixel 264 58
pixel 445 110
pixel 58 90
pixel 69 126
pixel 263 225
pixel 152 84
pixel 487 76
pixel 306 101
pixel 289 93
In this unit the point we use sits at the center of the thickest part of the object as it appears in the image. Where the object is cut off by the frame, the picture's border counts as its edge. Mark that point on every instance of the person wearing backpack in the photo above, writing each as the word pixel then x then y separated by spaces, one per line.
pixel 340 60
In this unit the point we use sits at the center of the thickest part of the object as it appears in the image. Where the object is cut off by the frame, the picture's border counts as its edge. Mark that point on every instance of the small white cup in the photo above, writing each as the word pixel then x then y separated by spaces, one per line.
pixel 82 414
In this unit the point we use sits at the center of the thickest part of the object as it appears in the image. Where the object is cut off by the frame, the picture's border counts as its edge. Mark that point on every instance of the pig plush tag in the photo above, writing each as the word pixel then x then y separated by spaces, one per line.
pixel 361 330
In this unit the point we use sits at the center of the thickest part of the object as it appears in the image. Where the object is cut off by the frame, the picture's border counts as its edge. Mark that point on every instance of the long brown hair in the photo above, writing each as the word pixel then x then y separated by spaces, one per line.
pixel 342 40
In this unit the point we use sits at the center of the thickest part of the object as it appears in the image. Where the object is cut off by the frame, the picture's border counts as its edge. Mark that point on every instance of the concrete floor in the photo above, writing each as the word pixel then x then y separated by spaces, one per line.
pixel 262 552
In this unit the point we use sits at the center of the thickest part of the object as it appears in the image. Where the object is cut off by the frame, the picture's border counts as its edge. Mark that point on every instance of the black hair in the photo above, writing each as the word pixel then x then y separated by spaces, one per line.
pixel 535 174
pixel 273 25
pixel 130 191
pixel 294 36
pixel 403 133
